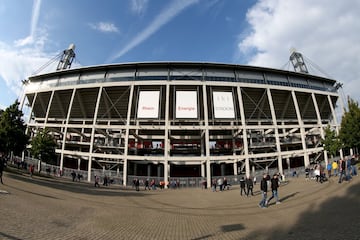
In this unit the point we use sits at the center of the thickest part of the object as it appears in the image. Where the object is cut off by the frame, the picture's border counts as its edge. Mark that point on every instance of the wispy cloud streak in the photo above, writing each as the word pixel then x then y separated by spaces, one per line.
pixel 139 6
pixel 33 27
pixel 164 17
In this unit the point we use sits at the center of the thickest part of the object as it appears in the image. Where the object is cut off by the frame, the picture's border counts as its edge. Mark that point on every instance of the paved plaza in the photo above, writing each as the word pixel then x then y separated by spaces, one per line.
pixel 53 208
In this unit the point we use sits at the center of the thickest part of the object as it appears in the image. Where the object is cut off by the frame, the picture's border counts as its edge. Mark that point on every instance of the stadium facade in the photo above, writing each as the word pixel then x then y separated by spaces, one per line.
pixel 170 119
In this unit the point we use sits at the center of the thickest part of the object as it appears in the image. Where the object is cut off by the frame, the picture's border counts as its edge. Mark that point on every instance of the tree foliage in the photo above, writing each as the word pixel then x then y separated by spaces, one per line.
pixel 331 142
pixel 350 125
pixel 12 130
pixel 43 146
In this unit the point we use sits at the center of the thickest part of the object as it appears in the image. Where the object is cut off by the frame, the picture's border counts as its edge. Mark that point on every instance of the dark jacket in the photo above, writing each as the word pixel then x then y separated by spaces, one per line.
pixel 249 183
pixel 242 183
pixel 263 185
pixel 274 183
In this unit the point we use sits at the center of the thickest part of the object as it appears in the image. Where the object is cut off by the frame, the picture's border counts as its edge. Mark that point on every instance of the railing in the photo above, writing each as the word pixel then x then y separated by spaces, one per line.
pixel 116 177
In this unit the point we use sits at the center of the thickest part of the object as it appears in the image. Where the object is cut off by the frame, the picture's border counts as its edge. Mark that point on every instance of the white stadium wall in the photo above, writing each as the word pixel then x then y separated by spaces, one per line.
pixel 182 119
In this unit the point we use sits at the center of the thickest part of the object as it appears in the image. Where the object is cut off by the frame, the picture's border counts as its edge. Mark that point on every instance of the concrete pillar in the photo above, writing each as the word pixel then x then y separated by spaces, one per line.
pixel 202 169
pixel 135 168
pixel 288 163
pixel 149 170
pixel 222 168
pixel 235 168
pixel 243 123
pixel 159 170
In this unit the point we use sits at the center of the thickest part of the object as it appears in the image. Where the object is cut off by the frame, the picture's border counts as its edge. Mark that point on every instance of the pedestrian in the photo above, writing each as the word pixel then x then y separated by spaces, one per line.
pixel 79 176
pixel 73 175
pixel 147 184
pixel 153 184
pixel 274 189
pixel 97 181
pixel 31 170
pixel 328 168
pixel 353 164
pixel 242 186
pixel 342 169
pixel 307 172
pixel 349 168
pixel 250 186
pixel 137 184
pixel 105 182
pixel 213 185
pixel 220 182
pixel 225 184
pixel 334 166
pixel 1 169
pixel 264 189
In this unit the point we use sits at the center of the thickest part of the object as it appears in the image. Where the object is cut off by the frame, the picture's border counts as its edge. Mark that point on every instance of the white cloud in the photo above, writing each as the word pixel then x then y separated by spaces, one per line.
pixel 161 19
pixel 33 27
pixel 328 34
pixel 18 64
pixel 139 6
pixel 20 60
pixel 104 27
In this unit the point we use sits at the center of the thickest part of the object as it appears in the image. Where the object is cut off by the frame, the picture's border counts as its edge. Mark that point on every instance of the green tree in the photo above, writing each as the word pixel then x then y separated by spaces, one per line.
pixel 12 130
pixel 350 125
pixel 43 147
pixel 331 142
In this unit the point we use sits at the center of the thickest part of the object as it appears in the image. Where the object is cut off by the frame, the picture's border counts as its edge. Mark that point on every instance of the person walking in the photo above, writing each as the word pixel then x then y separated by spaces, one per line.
pixel 250 186
pixel 213 185
pixel 1 169
pixel 354 166
pixel 137 184
pixel 242 186
pixel 147 186
pixel 264 189
pixel 97 181
pixel 274 189
pixel 335 168
pixel 31 170
pixel 342 170
pixel 73 175
pixel 328 168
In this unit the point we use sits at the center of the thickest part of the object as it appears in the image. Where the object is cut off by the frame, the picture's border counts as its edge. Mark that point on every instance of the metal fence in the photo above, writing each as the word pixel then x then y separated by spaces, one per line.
pixel 116 177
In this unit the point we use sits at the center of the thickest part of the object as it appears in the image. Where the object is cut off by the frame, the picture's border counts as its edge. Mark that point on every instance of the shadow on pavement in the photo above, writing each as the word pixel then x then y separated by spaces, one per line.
pixel 337 218
pixel 82 187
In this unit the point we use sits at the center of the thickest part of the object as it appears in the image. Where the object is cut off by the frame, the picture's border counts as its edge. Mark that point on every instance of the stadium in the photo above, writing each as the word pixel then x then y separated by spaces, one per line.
pixel 182 119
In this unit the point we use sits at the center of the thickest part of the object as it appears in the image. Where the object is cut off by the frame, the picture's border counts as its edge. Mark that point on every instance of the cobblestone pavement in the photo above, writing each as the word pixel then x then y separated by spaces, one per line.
pixel 47 208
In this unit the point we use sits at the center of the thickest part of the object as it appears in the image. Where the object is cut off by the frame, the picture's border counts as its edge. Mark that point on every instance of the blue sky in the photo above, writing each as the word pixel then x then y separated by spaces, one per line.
pixel 248 32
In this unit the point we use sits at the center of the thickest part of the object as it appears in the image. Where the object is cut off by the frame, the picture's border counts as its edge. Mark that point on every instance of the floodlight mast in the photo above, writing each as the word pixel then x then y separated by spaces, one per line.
pixel 297 61
pixel 66 58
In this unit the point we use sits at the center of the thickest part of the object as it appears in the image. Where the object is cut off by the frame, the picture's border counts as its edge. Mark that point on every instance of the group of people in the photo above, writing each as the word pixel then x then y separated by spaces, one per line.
pixel 344 168
pixel 75 176
pixel 274 182
pixel 246 186
pixel 347 168
pixel 106 181
pixel 149 185
pixel 222 183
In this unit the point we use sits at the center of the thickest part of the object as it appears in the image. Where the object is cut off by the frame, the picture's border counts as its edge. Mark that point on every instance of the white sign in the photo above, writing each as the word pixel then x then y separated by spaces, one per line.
pixel 186 104
pixel 148 106
pixel 223 105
